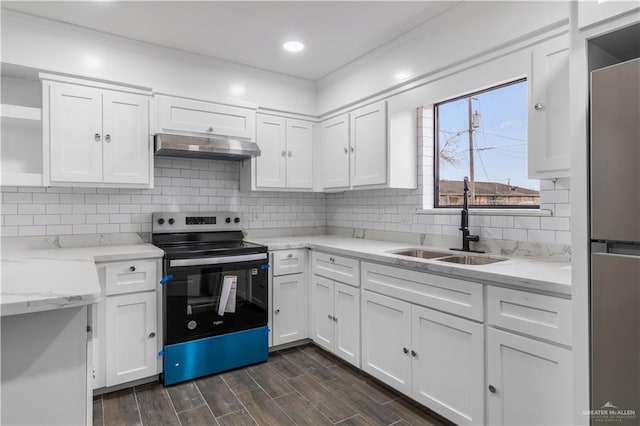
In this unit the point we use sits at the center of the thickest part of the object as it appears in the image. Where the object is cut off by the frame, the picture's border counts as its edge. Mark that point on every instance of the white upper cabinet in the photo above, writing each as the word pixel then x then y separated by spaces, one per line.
pixel 286 155
pixel 75 122
pixel 126 138
pixel 369 145
pixel 271 165
pixel 187 115
pixel 299 154
pixel 548 112
pixel 96 136
pixel 334 152
pixel 356 150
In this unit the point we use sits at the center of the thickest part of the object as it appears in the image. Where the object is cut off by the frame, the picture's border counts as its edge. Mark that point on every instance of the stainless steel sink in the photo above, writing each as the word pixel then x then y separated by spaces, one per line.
pixel 423 254
pixel 471 260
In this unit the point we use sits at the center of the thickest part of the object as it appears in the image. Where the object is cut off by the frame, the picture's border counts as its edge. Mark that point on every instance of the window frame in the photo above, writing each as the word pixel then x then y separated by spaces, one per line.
pixel 436 153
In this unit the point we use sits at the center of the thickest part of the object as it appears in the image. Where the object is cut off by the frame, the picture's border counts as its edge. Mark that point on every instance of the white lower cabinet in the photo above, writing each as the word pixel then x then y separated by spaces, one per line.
pixel 335 313
pixel 126 323
pixel 289 314
pixel 529 382
pixel 131 331
pixel 436 358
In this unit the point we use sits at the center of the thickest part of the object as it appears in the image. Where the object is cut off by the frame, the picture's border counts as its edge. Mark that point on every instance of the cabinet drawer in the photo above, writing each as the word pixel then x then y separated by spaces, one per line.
pixel 129 277
pixel 536 315
pixel 288 262
pixel 186 115
pixel 338 268
pixel 458 297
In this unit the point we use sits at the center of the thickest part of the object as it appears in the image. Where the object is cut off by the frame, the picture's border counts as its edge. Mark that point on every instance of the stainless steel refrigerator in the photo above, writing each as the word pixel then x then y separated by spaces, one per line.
pixel 615 244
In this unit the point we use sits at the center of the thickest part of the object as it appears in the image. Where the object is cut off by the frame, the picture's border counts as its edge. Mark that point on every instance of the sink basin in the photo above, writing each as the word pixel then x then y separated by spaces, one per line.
pixel 471 260
pixel 423 254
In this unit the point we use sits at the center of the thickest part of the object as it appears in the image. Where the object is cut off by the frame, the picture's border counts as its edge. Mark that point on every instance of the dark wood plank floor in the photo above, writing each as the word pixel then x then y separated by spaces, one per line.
pixel 298 386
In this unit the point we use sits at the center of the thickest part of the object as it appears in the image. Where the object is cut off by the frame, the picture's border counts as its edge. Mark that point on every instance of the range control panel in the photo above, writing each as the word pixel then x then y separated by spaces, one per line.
pixel 195 221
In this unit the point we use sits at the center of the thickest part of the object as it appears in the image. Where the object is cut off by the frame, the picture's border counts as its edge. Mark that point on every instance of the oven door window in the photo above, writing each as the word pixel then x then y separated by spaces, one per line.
pixel 207 301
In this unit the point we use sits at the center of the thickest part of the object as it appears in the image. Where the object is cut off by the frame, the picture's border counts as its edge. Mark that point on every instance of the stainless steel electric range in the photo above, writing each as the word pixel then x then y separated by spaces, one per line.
pixel 215 294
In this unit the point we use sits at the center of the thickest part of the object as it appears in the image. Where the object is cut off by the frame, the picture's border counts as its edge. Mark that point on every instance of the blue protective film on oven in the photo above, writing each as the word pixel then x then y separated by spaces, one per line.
pixel 166 278
pixel 197 358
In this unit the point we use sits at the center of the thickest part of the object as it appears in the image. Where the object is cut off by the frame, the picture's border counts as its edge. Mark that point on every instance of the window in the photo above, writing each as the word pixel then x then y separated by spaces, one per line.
pixel 483 136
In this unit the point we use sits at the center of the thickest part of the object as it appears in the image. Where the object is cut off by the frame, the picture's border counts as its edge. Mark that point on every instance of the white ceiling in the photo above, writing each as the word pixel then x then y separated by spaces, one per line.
pixel 335 33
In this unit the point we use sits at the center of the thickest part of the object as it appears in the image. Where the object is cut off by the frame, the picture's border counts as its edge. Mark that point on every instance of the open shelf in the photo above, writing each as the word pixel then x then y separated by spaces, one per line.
pixel 20 112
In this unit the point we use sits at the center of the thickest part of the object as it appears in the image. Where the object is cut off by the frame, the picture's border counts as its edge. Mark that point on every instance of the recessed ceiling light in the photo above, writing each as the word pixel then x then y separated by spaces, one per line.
pixel 293 46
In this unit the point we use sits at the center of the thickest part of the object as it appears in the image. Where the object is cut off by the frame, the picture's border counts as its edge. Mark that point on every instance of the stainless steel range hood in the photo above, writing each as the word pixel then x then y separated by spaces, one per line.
pixel 171 145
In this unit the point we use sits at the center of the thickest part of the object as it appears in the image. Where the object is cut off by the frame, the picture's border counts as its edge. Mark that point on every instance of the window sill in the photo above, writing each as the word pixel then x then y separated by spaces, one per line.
pixel 488 212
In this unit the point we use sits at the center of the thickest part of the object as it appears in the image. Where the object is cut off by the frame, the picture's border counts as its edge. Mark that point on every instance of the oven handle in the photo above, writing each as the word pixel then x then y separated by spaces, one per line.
pixel 217 260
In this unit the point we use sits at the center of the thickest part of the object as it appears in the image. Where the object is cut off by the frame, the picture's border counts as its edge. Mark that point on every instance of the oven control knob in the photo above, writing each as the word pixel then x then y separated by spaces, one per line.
pixel 236 220
pixel 172 221
pixel 228 220
pixel 160 221
pixel 192 324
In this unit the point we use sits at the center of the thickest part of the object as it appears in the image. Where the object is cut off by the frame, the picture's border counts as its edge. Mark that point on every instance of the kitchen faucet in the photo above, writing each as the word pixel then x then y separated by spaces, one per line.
pixel 464 222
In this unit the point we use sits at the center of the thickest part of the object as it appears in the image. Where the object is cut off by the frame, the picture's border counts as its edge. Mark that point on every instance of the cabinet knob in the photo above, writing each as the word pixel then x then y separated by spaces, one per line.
pixel 346 151
pixel 413 353
pixel 284 153
pixel 97 137
pixel 353 149
pixel 289 154
pixel 277 311
pixel 107 138
pixel 335 319
pixel 492 389
pixel 132 268
pixel 405 350
pixel 330 317
pixel 210 130
pixel 290 255
pixel 538 107
pixel 152 335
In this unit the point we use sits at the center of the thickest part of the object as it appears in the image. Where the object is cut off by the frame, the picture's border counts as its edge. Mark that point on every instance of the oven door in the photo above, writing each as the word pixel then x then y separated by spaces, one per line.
pixel 213 296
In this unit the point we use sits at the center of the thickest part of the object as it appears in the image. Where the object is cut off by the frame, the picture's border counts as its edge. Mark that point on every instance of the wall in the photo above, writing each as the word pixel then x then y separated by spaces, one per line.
pixel 181 185
pixel 437 45
pixel 46 45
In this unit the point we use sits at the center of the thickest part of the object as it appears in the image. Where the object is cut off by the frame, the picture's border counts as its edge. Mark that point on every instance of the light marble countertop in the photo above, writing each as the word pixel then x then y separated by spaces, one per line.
pixel 41 279
pixel 548 276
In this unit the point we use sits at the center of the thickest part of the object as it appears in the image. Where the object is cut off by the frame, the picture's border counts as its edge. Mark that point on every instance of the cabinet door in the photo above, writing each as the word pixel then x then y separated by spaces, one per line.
pixel 299 154
pixel 98 332
pixel 369 145
pixel 131 337
pixel 528 381
pixel 126 138
pixel 448 365
pixel 186 115
pixel 75 138
pixel 548 145
pixel 288 309
pixel 347 323
pixel 386 340
pixel 334 152
pixel 322 326
pixel 271 164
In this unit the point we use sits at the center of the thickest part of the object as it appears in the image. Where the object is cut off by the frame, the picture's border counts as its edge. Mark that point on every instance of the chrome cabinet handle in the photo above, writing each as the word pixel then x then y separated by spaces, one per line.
pixel 277 311
pixel 330 317
pixel 290 255
pixel 538 107
pixel 284 153
pixel 405 350
pixel 492 389
pixel 107 138
pixel 289 154
pixel 332 259
pixel 353 149
pixel 96 137
pixel 413 353
pixel 132 268
pixel 346 150
pixel 152 335
pixel 210 130
pixel 335 319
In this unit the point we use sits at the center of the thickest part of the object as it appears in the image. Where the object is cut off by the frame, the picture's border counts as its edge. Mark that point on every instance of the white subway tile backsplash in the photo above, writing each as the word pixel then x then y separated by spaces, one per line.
pixel 555 223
